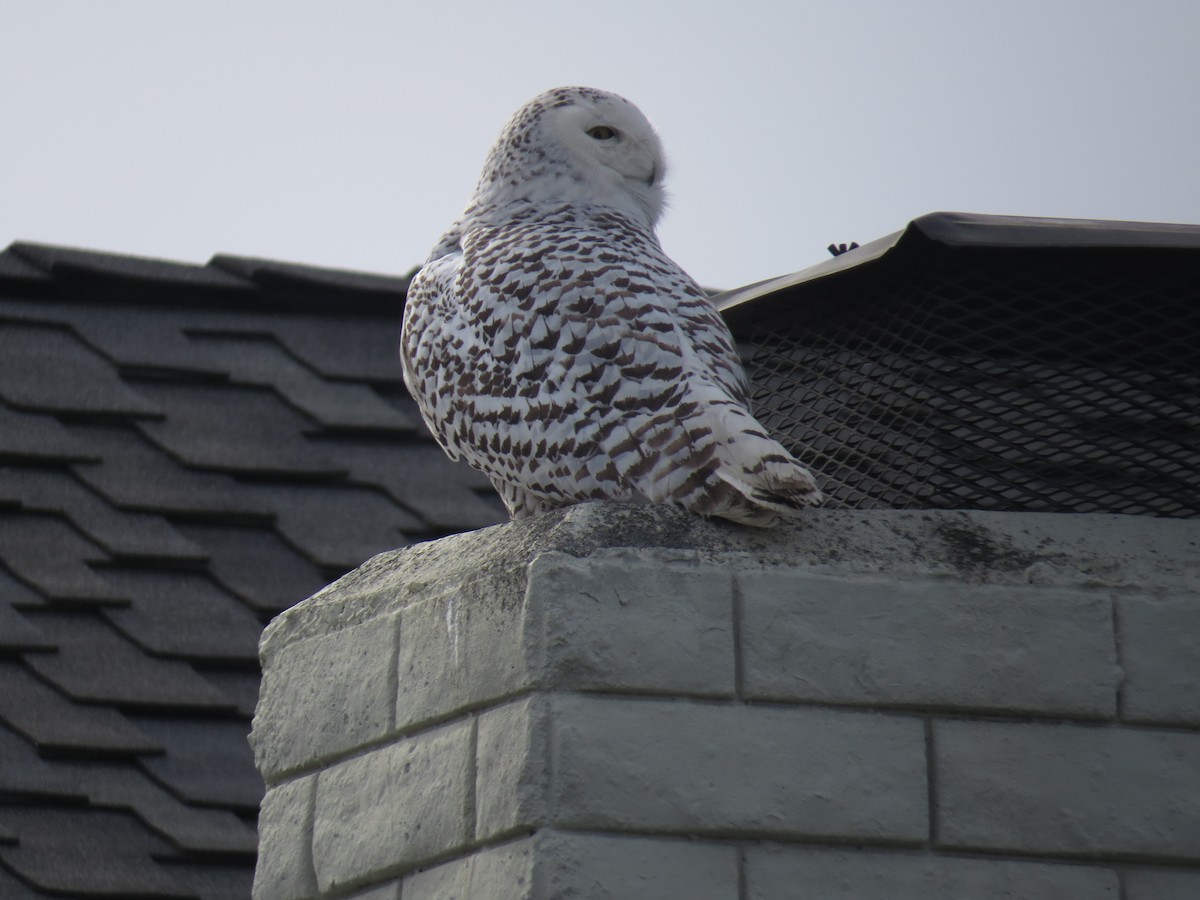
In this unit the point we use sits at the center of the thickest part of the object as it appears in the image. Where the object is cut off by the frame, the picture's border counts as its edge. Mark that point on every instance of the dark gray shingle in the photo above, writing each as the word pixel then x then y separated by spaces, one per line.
pixel 183 615
pixel 47 368
pixel 245 430
pixel 257 566
pixel 133 473
pixel 96 665
pixel 87 851
pixel 208 761
pixel 55 725
pixel 51 556
pixel 121 533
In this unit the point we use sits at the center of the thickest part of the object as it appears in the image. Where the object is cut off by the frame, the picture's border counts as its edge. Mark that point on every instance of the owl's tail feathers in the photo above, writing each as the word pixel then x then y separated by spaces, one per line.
pixel 787 483
pixel 773 487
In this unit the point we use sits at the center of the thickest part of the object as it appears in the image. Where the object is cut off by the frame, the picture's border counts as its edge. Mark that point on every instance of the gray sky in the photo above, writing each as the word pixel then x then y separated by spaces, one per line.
pixel 350 133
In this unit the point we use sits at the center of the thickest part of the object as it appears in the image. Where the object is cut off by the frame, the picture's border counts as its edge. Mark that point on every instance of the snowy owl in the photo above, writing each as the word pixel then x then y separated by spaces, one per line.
pixel 551 343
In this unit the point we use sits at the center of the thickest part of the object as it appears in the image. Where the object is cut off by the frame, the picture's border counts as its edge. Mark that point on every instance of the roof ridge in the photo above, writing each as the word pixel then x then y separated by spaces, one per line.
pixel 59 270
pixel 268 271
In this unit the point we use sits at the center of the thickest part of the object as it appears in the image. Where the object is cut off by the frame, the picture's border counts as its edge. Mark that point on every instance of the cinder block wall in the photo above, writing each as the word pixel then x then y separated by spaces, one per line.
pixel 628 702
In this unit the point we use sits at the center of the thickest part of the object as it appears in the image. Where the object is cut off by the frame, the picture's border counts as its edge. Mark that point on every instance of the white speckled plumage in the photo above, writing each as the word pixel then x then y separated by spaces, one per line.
pixel 551 343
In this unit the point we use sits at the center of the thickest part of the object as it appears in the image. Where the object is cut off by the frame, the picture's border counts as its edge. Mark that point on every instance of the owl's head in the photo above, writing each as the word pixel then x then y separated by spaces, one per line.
pixel 582 145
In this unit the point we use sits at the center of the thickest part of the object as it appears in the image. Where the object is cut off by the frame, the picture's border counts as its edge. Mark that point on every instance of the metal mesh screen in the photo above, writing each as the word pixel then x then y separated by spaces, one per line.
pixel 1040 380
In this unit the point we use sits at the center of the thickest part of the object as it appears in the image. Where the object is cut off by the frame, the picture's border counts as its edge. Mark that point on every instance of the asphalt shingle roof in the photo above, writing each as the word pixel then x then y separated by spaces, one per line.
pixel 185 450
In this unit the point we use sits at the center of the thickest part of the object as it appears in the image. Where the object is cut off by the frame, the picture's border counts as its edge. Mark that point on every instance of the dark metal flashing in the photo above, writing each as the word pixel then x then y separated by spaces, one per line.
pixel 957 229
pixel 967 231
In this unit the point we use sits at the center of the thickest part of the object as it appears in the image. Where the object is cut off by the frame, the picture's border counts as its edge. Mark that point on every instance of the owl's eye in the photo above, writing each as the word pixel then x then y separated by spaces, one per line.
pixel 602 132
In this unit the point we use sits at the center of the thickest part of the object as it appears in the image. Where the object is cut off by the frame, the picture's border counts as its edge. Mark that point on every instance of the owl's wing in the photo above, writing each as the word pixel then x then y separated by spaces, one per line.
pixel 428 354
pixel 560 357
